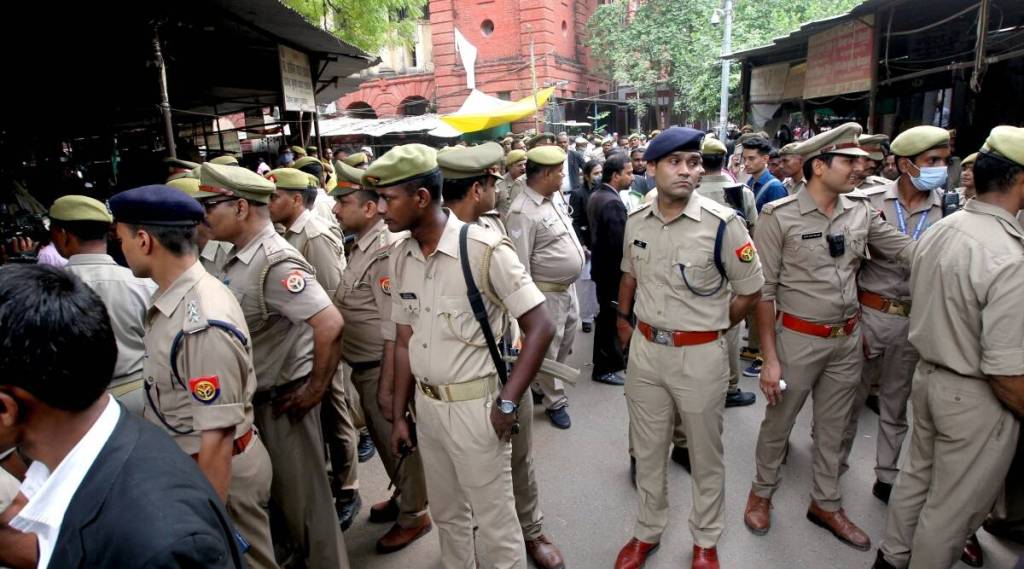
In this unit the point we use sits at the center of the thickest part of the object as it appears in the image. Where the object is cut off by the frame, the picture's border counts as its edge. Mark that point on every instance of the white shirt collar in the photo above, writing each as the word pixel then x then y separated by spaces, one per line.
pixel 49 494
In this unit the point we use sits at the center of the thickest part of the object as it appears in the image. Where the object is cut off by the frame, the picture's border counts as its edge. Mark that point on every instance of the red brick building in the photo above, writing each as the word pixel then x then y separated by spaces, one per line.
pixel 501 31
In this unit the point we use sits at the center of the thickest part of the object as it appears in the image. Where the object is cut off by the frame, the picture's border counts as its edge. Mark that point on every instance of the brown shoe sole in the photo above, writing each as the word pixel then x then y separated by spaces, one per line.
pixel 385 549
pixel 821 523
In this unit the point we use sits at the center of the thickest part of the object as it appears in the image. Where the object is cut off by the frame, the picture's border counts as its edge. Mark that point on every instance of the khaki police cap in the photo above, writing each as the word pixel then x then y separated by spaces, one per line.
pixel 311 149
pixel 712 146
pixel 547 137
pixel 241 182
pixel 350 180
pixel 298 151
pixel 188 185
pixel 178 175
pixel 225 160
pixel 789 149
pixel 401 164
pixel 918 139
pixel 872 144
pixel 840 140
pixel 546 155
pixel 179 163
pixel 461 163
pixel 305 161
pixel 80 208
pixel 290 179
pixel 507 140
pixel 197 174
pixel 514 156
pixel 655 133
pixel 356 159
pixel 969 160
pixel 1007 143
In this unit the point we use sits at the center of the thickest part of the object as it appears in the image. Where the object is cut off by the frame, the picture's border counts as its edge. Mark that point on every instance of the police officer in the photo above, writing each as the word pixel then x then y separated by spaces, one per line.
pixel 966 282
pixel 198 366
pixel 295 330
pixel 682 256
pixel 867 166
pixel 464 415
pixel 513 182
pixel 811 244
pixel 322 204
pixel 791 166
pixel 470 194
pixel 79 226
pixel 212 253
pixel 368 347
pixel 541 231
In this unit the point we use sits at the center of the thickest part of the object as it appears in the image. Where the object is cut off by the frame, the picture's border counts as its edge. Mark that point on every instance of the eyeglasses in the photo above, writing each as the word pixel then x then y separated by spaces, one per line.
pixel 208 205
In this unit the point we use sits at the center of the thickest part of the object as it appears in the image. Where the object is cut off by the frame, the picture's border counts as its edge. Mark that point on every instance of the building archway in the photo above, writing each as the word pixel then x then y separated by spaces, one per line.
pixel 413 106
pixel 360 110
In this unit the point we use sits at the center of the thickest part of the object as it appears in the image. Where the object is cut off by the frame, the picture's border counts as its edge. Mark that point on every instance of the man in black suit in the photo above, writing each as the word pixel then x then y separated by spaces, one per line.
pixel 574 162
pixel 105 488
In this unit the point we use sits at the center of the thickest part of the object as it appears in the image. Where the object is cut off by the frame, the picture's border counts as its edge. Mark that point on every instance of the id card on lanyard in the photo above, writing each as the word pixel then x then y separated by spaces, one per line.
pixel 901 222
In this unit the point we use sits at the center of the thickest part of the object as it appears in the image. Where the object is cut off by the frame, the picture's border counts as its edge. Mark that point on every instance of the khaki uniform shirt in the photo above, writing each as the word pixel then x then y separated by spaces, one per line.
pixel 214 366
pixel 126 298
pixel 282 345
pixel 967 284
pixel 429 294
pixel 213 255
pixel 323 207
pixel 364 297
pixel 800 275
pixel 872 182
pixel 713 187
pixel 886 277
pixel 792 186
pixel 672 259
pixel 313 239
pixel 491 221
pixel 541 231
pixel 508 188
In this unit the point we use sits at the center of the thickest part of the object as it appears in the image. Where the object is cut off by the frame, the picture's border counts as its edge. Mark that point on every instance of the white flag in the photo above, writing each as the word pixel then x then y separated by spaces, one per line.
pixel 467 52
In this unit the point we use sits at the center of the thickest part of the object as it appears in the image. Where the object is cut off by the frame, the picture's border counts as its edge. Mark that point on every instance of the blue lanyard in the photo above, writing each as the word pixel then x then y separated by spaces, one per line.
pixel 902 222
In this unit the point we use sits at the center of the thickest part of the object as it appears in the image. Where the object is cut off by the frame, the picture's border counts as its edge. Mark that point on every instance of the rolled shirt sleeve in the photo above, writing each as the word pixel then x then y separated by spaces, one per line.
pixel 215 355
pixel 296 306
pixel 1002 328
pixel 745 276
pixel 768 243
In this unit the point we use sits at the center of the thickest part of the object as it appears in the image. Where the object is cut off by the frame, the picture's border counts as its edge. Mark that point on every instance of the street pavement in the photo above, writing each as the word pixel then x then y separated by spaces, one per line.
pixel 589 504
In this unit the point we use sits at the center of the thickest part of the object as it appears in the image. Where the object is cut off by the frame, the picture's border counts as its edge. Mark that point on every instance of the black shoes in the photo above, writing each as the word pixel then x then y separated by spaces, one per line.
pixel 559 417
pixel 587 327
pixel 348 510
pixel 739 398
pixel 614 378
pixel 872 403
pixel 881 490
pixel 681 456
pixel 366 448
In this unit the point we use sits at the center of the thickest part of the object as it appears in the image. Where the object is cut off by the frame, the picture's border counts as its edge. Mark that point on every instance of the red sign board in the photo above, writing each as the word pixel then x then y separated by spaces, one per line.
pixel 839 59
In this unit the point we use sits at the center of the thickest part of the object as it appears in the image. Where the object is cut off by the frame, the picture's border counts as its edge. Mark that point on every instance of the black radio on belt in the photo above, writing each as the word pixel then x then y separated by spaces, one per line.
pixel 836 244
pixel 950 203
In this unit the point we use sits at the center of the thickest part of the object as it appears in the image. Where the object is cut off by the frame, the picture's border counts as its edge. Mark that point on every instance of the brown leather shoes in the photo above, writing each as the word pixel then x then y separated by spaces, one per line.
pixel 634 554
pixel 758 515
pixel 840 526
pixel 399 537
pixel 385 512
pixel 972 554
pixel 705 558
pixel 544 553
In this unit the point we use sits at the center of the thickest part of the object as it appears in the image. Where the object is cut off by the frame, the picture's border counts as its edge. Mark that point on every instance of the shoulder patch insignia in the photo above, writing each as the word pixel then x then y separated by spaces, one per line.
pixel 385 285
pixel 294 282
pixel 205 390
pixel 745 253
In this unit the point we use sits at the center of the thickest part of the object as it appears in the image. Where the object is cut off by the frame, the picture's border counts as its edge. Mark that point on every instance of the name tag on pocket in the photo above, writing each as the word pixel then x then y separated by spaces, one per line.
pixel 640 244
pixel 407 295
pixel 811 235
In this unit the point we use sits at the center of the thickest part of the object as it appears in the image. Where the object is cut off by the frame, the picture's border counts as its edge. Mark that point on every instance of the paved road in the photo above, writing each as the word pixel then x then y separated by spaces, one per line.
pixel 590 506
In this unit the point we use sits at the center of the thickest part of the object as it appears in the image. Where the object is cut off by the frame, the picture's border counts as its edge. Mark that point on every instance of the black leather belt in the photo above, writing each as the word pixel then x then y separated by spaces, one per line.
pixel 363 366
pixel 268 395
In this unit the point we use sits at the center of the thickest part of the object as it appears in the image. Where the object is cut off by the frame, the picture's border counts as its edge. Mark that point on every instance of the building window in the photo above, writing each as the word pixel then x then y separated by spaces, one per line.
pixel 505 95
pixel 487 28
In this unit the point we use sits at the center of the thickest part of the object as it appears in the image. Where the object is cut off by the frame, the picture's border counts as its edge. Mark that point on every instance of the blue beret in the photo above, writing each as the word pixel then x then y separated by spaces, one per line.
pixel 674 139
pixel 156 205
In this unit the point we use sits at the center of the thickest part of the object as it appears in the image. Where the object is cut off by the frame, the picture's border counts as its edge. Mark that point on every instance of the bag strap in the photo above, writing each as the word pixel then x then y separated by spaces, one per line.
pixel 719 240
pixel 477 303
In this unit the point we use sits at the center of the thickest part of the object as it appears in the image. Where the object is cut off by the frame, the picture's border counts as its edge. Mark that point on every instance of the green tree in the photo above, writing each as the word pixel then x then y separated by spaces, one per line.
pixel 366 25
pixel 673 42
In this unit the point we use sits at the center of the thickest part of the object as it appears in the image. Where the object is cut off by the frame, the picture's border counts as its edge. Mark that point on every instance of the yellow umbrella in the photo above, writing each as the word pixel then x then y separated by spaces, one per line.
pixel 472 122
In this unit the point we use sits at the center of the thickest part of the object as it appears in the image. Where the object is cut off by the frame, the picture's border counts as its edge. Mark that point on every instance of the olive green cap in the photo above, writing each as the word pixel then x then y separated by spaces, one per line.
pixel 872 144
pixel 546 155
pixel 840 140
pixel 507 140
pixel 655 133
pixel 514 156
pixel 311 149
pixel 789 149
pixel 179 163
pixel 971 158
pixel 1007 143
pixel 241 182
pixel 401 164
pixel 712 146
pixel 539 138
pixel 356 159
pixel 188 185
pixel 634 136
pixel 179 175
pixel 290 179
pixel 298 151
pixel 306 160
pixel 461 163
pixel 918 139
pixel 225 160
pixel 80 208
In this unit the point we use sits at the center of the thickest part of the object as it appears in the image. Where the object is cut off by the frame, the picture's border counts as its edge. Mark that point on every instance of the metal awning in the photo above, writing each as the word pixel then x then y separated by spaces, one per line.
pixel 346 126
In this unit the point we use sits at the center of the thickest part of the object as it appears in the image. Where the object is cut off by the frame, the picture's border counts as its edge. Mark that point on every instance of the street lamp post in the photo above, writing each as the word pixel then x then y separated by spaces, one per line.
pixel 723 112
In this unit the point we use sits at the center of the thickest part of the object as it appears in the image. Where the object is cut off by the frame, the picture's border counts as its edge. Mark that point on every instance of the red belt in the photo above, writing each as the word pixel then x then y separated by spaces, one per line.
pixel 822 330
pixel 882 304
pixel 238 446
pixel 675 337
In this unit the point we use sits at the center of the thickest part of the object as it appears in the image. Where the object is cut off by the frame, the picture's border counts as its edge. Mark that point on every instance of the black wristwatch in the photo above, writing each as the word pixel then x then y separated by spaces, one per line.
pixel 624 316
pixel 507 407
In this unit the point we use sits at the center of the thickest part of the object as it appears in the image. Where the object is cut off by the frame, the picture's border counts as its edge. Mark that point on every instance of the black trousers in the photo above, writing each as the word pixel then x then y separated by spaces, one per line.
pixel 608 357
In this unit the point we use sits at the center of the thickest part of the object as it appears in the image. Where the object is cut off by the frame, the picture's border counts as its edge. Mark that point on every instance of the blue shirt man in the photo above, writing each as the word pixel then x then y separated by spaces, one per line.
pixel 766 187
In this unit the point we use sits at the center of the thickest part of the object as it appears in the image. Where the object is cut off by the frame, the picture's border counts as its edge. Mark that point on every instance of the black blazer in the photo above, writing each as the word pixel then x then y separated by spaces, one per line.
pixel 576 163
pixel 607 215
pixel 145 504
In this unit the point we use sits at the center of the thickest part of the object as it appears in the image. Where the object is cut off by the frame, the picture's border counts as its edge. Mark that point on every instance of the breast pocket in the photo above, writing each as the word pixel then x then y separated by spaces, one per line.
pixel 697 272
pixel 805 253
pixel 457 319
pixel 554 226
pixel 857 243
pixel 410 308
pixel 640 257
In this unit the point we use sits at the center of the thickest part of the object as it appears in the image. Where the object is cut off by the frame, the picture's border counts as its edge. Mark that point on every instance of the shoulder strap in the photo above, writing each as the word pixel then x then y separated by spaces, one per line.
pixel 477 303
pixel 719 239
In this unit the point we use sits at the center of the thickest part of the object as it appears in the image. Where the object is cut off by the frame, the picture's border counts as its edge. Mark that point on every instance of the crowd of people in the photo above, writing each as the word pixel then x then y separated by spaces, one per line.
pixel 235 341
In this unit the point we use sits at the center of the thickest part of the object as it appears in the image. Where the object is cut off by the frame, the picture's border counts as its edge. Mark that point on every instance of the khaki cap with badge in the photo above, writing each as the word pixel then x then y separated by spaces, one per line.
pixel 546 155
pixel 463 163
pixel 225 160
pixel 712 147
pixel 872 144
pixel 80 208
pixel 401 164
pixel 840 140
pixel 241 182
pixel 918 139
pixel 350 179
pixel 1005 143
pixel 544 137
pixel 514 156
pixel 356 159
pixel 790 149
pixel 290 179
pixel 298 151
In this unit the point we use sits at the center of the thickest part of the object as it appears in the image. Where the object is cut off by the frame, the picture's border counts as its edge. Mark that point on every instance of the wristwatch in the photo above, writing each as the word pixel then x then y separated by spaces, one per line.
pixel 507 407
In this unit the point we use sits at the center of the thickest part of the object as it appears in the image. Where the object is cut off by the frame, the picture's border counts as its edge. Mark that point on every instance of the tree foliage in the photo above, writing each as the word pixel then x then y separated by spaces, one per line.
pixel 366 25
pixel 673 43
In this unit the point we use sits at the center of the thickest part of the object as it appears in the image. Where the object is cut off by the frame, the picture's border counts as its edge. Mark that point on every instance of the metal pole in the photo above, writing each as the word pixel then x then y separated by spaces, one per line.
pixel 220 135
pixel 165 103
pixel 533 81
pixel 316 129
pixel 723 112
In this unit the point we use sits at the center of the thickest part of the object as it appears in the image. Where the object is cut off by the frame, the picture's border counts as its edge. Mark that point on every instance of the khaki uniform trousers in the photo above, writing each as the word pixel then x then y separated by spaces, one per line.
pixel 564 310
pixel 249 502
pixel 889 361
pixel 662 381
pixel 1009 507
pixel 338 419
pixel 732 343
pixel 829 369
pixel 300 490
pixel 960 451
pixel 411 488
pixel 469 480
pixel 524 481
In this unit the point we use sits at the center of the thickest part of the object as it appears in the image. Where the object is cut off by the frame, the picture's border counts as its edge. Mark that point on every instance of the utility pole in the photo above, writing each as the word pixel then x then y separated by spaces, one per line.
pixel 533 80
pixel 723 113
